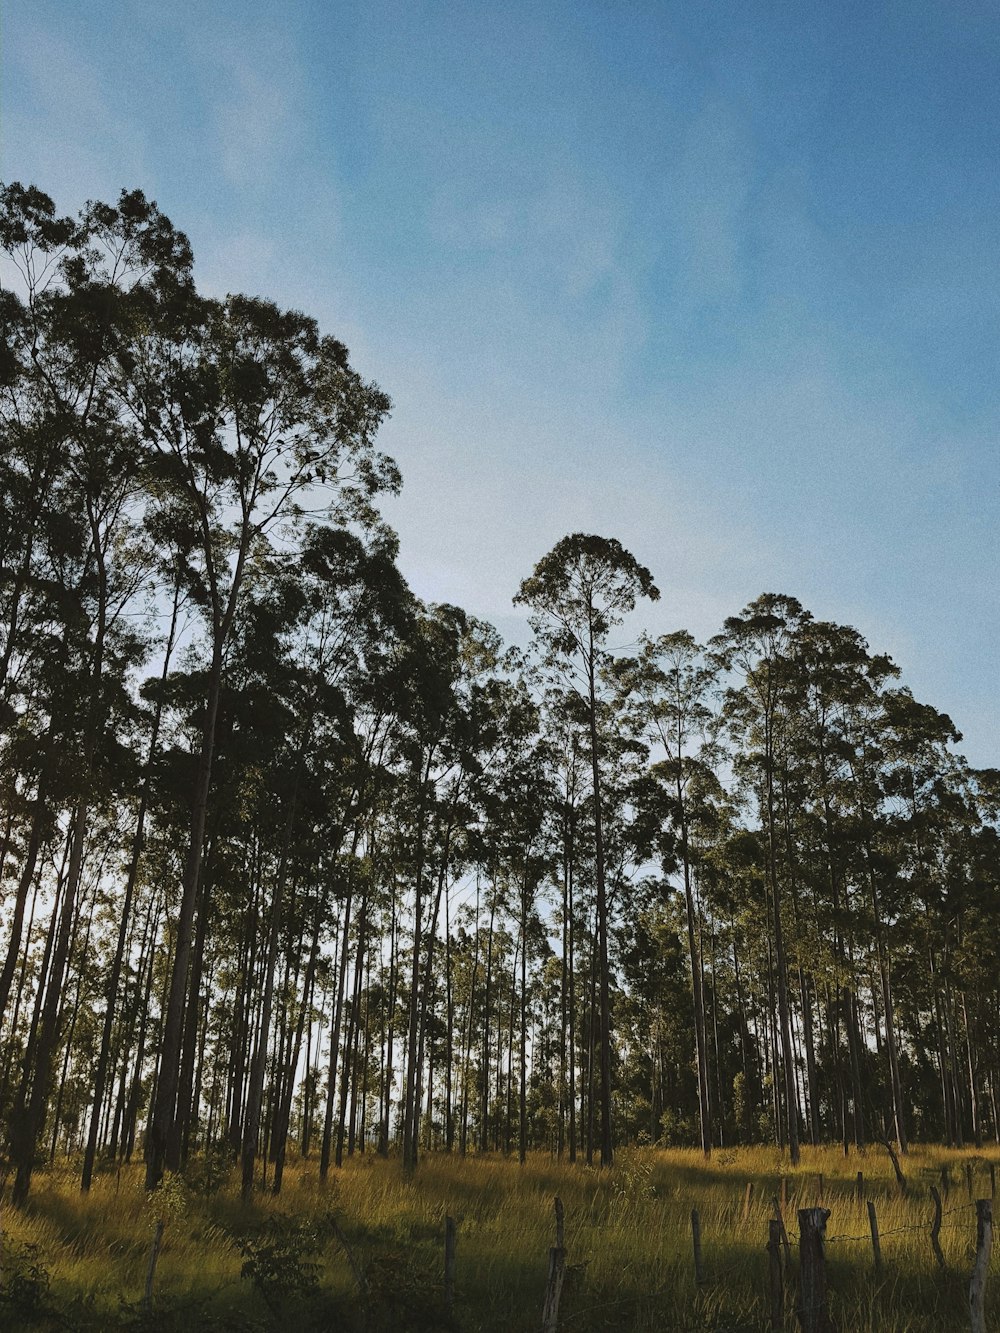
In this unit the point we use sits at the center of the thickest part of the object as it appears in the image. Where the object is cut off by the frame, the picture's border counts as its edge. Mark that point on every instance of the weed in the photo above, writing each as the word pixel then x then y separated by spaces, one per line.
pixel 279 1260
pixel 24 1292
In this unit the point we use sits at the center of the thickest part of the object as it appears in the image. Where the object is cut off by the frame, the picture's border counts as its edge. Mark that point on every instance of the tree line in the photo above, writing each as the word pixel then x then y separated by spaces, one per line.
pixel 293 863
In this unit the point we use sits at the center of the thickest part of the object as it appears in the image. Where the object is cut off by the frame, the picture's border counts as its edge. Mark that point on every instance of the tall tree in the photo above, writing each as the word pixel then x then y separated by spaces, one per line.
pixel 584 587
pixel 670 683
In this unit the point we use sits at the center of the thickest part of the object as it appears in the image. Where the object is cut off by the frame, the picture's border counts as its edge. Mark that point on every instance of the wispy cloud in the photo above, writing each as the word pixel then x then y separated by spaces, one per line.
pixel 64 134
pixel 253 87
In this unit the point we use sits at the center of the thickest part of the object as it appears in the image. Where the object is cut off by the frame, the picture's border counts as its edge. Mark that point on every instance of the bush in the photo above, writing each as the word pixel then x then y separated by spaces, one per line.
pixel 278 1259
pixel 24 1291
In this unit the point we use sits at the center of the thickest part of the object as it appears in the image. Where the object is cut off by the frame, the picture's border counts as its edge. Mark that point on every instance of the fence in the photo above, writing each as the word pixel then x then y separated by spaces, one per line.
pixel 811 1305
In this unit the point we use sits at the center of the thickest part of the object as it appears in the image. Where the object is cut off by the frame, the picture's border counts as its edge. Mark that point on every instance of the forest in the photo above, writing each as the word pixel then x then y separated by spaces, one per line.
pixel 295 866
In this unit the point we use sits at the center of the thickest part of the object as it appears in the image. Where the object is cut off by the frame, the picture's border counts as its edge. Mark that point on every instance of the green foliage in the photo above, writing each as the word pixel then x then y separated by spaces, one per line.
pixel 24 1290
pixel 208 1173
pixel 280 1259
pixel 169 1200
pixel 403 1295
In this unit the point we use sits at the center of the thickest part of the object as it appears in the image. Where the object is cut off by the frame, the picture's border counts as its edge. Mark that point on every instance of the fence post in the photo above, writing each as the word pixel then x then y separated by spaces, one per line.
pixel 699 1270
pixel 859 1190
pixel 936 1228
pixel 876 1244
pixel 776 1286
pixel 449 1263
pixel 779 1218
pixel 557 1272
pixel 748 1194
pixel 154 1254
pixel 984 1247
pixel 814 1316
pixel 993 1180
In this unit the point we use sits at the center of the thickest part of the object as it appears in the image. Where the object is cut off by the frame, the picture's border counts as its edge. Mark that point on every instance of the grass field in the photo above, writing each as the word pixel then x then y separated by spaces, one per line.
pixel 366 1252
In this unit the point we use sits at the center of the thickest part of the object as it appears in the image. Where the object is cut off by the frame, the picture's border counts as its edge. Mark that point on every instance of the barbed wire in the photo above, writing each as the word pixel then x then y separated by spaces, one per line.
pixel 910 1226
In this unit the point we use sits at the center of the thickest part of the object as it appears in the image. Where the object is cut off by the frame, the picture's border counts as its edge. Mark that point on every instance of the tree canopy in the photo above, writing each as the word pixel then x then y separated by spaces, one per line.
pixel 293 863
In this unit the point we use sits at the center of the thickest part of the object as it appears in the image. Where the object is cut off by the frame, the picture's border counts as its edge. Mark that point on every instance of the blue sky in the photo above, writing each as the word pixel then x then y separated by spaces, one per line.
pixel 720 280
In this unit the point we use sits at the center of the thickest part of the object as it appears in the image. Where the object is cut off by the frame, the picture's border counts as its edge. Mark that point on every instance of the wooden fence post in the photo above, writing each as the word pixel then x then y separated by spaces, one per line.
pixel 449 1263
pixel 154 1254
pixel 779 1218
pixel 699 1270
pixel 814 1317
pixel 776 1286
pixel 876 1244
pixel 936 1228
pixel 748 1194
pixel 557 1272
pixel 945 1181
pixel 984 1248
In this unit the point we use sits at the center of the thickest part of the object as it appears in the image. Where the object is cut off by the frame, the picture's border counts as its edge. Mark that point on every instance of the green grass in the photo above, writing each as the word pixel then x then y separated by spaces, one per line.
pixel 628 1243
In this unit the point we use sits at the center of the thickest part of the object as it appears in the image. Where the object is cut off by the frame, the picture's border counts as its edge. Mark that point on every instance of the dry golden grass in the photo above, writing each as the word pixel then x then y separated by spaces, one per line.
pixel 628 1240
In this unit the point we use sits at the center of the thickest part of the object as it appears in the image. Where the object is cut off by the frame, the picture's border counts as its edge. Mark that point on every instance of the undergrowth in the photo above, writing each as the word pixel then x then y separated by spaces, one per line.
pixel 363 1252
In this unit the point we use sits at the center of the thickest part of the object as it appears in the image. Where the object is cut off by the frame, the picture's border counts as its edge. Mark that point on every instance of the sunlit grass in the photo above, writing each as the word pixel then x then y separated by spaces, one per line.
pixel 628 1241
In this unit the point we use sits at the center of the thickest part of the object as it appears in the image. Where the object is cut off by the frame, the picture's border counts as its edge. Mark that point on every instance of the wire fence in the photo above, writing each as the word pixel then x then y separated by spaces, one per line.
pixel 898 1231
pixel 803 1279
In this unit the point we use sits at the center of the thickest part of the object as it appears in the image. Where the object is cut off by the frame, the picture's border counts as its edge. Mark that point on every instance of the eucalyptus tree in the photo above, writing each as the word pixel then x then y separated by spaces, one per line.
pixel 253 419
pixel 657 1068
pixel 578 593
pixel 125 915
pixel 427 711
pixel 925 801
pixel 85 290
pixel 518 808
pixel 563 730
pixel 834 674
pixel 756 644
pixel 670 683
pixel 348 604
pixel 448 720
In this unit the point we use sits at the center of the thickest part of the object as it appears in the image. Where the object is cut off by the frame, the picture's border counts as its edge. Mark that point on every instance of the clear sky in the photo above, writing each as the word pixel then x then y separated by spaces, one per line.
pixel 721 279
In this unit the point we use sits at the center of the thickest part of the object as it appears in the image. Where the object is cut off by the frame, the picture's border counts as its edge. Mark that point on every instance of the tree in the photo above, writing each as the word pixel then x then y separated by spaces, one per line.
pixel 671 683
pixel 578 592
pixel 756 643
pixel 255 420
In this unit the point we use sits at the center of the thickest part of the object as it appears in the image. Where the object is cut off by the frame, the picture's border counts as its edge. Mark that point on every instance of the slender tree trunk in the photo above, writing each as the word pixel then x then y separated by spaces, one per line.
pixel 255 1092
pixel 345 941
pixel 162 1152
pixel 607 1142
pixel 114 977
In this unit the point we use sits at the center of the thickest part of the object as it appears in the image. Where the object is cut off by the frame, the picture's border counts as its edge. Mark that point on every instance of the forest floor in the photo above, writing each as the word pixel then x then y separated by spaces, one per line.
pixel 366 1251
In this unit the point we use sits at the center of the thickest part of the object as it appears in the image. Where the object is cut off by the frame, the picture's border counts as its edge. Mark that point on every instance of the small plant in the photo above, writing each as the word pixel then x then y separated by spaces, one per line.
pixel 631 1179
pixel 166 1202
pixel 279 1260
pixel 24 1290
pixel 169 1200
pixel 209 1172
pixel 404 1297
